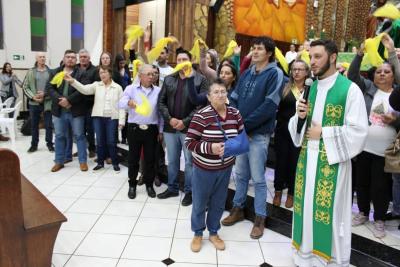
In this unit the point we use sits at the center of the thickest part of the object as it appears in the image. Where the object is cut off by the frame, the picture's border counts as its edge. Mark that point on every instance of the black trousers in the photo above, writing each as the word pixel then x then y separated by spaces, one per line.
pixel 286 161
pixel 138 139
pixel 373 184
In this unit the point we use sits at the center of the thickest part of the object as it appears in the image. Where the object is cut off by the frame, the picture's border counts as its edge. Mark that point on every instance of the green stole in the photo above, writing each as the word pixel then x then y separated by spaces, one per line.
pixel 326 175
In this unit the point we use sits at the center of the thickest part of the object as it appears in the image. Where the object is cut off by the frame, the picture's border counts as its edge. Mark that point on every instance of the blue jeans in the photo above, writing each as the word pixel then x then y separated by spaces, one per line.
pixel 61 127
pixel 396 193
pixel 252 165
pixel 175 142
pixel 35 111
pixel 105 137
pixel 210 189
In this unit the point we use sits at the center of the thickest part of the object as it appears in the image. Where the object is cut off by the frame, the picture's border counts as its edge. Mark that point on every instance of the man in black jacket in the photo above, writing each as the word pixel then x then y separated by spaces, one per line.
pixel 177 111
pixel 68 110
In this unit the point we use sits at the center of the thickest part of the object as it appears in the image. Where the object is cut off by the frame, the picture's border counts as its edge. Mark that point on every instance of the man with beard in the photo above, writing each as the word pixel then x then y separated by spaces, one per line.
pixel 335 131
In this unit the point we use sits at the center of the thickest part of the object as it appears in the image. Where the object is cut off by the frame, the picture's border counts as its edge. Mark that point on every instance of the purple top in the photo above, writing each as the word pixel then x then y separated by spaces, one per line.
pixel 132 92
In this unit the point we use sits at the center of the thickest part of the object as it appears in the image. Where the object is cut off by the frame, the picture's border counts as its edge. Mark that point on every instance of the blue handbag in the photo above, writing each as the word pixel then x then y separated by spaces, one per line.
pixel 234 146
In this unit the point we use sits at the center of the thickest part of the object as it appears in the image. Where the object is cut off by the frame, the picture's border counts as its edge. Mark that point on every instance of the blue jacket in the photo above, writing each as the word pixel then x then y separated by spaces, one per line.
pixel 257 96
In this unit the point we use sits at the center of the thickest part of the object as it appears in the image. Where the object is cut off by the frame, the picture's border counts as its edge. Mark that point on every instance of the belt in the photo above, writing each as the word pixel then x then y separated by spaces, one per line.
pixel 143 127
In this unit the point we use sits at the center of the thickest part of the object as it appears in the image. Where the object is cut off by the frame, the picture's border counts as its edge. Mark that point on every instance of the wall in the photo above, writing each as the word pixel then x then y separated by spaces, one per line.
pixel 154 11
pixel 16 21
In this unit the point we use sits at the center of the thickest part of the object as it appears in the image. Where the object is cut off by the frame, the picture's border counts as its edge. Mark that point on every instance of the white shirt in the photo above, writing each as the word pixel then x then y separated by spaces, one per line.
pixel 290 56
pixel 380 135
pixel 164 71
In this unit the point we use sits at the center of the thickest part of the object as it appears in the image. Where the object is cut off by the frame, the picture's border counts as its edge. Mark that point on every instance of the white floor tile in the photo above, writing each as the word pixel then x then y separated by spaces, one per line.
pixel 234 253
pixel 124 208
pixel 59 260
pixel 152 210
pixel 147 248
pixel 178 264
pixel 68 241
pixel 100 193
pixel 271 236
pixel 45 188
pixel 185 212
pixel 181 252
pixel 111 224
pixel 79 221
pixel 102 245
pixel 237 232
pixel 154 227
pixel 80 180
pixel 278 254
pixel 93 206
pixel 71 191
pixel 114 182
pixel 141 263
pixel 61 203
pixel 81 261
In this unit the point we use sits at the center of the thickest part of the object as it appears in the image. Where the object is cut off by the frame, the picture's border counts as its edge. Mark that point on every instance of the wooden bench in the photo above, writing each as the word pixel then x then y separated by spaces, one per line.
pixel 29 223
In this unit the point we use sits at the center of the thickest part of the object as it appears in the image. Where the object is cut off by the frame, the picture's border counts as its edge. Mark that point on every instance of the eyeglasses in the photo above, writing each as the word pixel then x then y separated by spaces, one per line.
pixel 223 93
pixel 150 74
pixel 295 70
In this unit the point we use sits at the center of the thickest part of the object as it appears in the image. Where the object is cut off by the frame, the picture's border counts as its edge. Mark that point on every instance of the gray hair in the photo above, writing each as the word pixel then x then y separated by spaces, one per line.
pixel 83 50
pixel 144 67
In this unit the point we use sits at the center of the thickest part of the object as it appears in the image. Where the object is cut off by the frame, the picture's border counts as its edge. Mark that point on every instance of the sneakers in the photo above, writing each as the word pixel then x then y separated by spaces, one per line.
pixel 236 215
pixel 117 169
pixel 258 227
pixel 218 243
pixel 195 246
pixel 289 201
pixel 359 219
pixel 83 166
pixel 379 229
pixel 32 149
pixel 277 199
pixel 98 168
pixel 57 167
pixel 187 199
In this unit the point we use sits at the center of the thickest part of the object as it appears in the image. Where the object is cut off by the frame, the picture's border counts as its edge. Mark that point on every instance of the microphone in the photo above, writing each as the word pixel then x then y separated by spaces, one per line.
pixel 307 86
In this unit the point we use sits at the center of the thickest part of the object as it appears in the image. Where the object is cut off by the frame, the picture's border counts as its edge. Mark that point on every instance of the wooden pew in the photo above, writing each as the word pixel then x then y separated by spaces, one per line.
pixel 29 223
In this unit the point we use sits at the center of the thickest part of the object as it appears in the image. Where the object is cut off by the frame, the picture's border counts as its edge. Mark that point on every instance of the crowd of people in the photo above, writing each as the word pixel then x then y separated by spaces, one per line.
pixel 345 123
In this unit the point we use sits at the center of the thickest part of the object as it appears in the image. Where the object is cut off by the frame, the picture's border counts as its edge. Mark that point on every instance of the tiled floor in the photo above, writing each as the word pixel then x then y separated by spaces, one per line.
pixel 105 228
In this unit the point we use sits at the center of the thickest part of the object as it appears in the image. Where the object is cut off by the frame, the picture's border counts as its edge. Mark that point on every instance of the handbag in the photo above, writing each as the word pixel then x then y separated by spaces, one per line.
pixel 236 145
pixel 392 156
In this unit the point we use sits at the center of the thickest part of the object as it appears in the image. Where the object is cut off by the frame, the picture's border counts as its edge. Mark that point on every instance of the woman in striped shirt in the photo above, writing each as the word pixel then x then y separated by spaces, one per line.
pixel 211 171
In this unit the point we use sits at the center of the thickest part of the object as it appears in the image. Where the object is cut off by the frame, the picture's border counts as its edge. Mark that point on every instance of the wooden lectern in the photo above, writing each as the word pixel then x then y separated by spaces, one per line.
pixel 29 223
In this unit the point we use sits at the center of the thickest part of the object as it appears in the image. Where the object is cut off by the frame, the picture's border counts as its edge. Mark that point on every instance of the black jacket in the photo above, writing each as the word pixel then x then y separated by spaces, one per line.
pixel 166 99
pixel 88 76
pixel 76 99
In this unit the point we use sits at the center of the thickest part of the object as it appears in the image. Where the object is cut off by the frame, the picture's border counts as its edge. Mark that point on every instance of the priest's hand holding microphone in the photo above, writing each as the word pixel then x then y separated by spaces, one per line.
pixel 315 130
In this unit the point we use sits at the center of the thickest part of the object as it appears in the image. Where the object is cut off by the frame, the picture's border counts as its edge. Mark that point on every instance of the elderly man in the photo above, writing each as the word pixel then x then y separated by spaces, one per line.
pixel 34 88
pixel 144 130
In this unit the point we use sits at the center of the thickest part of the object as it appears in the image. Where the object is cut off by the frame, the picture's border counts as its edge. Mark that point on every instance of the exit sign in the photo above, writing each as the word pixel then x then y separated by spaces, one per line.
pixel 18 57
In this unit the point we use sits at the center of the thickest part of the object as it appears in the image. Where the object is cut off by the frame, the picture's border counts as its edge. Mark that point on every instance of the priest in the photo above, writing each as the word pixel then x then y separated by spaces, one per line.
pixel 335 131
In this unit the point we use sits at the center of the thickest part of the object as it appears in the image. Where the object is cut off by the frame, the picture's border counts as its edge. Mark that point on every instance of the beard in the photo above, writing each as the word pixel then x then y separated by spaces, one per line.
pixel 324 69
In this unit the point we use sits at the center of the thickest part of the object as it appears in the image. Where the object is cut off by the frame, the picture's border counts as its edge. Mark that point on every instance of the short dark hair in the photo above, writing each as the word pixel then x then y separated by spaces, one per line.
pixel 69 51
pixel 268 44
pixel 183 51
pixel 217 81
pixel 329 45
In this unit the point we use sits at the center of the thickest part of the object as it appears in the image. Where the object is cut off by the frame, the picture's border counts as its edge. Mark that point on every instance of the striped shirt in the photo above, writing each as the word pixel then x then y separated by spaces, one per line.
pixel 204 131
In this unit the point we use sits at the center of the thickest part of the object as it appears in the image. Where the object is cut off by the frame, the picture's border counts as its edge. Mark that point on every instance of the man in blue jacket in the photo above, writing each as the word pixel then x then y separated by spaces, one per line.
pixel 257 97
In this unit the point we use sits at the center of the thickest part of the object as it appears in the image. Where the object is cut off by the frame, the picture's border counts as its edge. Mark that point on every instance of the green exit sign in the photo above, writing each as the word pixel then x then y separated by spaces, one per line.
pixel 18 57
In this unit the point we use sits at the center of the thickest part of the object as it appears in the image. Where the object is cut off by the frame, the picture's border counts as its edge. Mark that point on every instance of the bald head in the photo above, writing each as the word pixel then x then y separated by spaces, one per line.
pixel 40 59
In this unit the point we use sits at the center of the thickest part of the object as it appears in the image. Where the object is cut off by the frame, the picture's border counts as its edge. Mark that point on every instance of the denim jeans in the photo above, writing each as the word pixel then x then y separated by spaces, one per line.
pixel 61 127
pixel 252 165
pixel 35 111
pixel 396 193
pixel 210 189
pixel 105 137
pixel 175 142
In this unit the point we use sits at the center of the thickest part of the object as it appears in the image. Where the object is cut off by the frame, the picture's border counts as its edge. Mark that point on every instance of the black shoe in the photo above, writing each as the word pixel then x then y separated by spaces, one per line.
pixel 157 181
pixel 50 148
pixel 187 199
pixel 123 141
pixel 75 154
pixel 132 192
pixel 390 216
pixel 116 168
pixel 141 180
pixel 150 191
pixel 32 149
pixel 167 194
pixel 98 167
